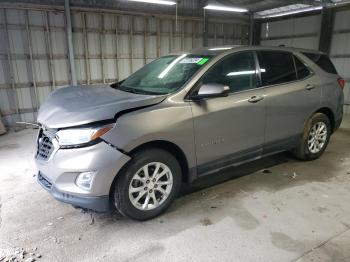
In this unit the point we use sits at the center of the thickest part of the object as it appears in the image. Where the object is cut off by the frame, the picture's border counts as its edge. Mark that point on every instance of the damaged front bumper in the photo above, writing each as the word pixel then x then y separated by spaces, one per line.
pixel 96 203
pixel 58 174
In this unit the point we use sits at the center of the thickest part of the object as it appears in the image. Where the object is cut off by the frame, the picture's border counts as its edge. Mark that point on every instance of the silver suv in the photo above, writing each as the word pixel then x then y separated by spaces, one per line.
pixel 131 145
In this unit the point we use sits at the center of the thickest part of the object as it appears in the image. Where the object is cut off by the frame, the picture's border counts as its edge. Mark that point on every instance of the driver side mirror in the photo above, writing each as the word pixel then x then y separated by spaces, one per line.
pixel 211 91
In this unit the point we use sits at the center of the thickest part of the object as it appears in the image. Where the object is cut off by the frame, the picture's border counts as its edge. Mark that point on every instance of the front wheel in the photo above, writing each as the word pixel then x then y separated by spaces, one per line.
pixel 315 138
pixel 148 184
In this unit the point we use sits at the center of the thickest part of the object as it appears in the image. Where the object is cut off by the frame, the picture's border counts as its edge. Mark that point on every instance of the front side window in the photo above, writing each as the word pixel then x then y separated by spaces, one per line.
pixel 277 67
pixel 237 71
pixel 164 75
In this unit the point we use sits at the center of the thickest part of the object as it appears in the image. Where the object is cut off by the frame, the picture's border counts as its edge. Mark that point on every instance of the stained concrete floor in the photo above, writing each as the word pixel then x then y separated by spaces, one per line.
pixel 299 211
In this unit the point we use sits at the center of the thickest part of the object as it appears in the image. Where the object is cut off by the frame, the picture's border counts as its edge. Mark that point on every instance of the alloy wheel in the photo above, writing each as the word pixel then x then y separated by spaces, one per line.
pixel 150 186
pixel 317 137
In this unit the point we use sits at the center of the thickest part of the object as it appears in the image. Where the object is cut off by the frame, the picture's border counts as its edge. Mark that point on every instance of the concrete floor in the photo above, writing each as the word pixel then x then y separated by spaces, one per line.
pixel 299 211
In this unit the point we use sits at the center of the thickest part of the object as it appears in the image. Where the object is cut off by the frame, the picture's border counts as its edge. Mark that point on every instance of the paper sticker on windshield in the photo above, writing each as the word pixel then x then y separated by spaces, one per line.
pixel 203 61
pixel 193 60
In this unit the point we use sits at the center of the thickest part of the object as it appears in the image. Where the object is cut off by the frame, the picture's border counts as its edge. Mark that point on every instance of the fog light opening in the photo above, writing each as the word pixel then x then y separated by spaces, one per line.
pixel 85 179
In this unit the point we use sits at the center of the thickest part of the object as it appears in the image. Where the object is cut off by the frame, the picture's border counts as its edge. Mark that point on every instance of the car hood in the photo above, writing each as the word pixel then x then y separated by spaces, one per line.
pixel 78 105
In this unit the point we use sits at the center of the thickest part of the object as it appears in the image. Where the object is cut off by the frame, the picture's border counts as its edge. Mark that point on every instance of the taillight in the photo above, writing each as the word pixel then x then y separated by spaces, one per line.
pixel 341 83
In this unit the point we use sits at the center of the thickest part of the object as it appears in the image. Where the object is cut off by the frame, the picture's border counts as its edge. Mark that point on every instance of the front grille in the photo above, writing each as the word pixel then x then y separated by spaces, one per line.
pixel 44 182
pixel 45 146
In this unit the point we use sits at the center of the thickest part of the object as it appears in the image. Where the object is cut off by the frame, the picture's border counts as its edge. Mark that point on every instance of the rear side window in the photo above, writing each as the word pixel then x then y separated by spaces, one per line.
pixel 322 61
pixel 302 70
pixel 277 67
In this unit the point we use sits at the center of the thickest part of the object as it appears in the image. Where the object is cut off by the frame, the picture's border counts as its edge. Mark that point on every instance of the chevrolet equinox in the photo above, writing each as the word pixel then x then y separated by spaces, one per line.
pixel 132 144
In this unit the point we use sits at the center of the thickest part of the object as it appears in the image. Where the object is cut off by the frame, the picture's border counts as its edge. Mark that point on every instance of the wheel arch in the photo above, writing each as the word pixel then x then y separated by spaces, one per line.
pixel 329 113
pixel 173 149
pixel 170 147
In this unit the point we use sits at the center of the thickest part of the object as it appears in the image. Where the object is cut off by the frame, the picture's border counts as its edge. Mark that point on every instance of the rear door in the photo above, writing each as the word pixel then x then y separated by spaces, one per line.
pixel 292 94
pixel 230 129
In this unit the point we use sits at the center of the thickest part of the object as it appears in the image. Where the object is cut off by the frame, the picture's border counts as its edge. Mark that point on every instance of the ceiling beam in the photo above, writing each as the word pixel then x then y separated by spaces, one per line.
pixel 258 5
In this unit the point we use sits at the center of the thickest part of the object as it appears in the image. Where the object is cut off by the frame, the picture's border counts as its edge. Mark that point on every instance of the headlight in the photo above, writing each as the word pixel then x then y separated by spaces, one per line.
pixel 74 137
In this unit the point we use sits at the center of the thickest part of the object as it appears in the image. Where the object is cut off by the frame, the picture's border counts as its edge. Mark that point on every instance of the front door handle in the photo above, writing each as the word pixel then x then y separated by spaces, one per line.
pixel 255 99
pixel 309 87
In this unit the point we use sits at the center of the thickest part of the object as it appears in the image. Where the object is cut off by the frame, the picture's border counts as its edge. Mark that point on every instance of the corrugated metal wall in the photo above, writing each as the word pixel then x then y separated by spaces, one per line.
pixel 340 50
pixel 304 32
pixel 300 32
pixel 107 46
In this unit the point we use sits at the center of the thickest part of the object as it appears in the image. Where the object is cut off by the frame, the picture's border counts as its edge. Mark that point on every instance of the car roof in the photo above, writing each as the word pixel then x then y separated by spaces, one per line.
pixel 217 50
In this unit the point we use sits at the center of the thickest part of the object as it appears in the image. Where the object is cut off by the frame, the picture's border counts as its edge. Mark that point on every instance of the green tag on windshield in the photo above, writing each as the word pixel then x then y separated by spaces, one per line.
pixel 203 61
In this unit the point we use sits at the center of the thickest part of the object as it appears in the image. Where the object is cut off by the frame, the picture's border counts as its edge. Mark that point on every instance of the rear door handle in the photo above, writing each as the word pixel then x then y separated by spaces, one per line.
pixel 309 87
pixel 255 99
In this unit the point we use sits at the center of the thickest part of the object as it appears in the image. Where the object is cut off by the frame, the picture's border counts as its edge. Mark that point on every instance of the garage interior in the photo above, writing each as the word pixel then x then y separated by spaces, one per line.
pixel 274 209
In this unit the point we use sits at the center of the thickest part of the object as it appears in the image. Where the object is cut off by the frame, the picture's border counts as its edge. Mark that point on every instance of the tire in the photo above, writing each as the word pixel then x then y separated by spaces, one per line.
pixel 305 150
pixel 158 190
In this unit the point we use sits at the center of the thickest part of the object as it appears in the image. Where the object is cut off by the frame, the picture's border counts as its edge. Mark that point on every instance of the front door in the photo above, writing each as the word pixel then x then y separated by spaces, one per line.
pixel 230 129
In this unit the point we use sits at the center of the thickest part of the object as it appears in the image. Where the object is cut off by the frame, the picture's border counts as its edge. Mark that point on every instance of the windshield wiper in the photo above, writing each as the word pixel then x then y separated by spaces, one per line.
pixel 117 85
pixel 130 90
pixel 136 91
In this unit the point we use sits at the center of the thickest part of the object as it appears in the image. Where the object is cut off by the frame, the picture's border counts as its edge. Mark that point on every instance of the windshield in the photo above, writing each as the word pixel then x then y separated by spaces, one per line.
pixel 164 75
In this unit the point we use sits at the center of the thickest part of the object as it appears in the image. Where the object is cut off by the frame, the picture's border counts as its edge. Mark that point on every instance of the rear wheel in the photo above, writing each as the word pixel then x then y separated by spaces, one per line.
pixel 148 184
pixel 315 138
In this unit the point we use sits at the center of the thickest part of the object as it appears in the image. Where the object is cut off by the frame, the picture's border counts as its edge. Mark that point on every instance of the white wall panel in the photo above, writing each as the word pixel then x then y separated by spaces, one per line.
pixel 124 70
pixel 61 70
pixel 95 70
pixel 342 20
pixel 164 45
pixel 59 42
pixel 38 42
pixel 110 68
pixel 78 40
pixel 277 29
pixel 56 19
pixel 302 32
pixel 44 92
pixel 15 17
pixel 18 41
pixel 340 50
pixel 3 71
pixel 4 101
pixel 276 42
pixel 309 24
pixel 80 70
pixel 41 71
pixel 20 74
pixel 305 42
pixel 340 44
pixel 24 97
